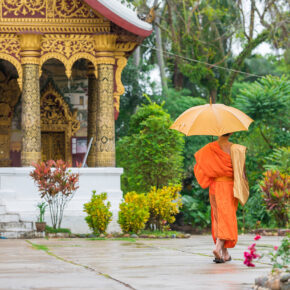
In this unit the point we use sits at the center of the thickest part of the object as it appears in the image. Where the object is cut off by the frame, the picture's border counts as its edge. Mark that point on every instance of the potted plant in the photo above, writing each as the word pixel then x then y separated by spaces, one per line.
pixel 40 224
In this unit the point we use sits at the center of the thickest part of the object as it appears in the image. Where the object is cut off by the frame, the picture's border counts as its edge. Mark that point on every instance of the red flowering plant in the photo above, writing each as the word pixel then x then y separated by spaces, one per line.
pixel 56 185
pixel 279 256
pixel 276 194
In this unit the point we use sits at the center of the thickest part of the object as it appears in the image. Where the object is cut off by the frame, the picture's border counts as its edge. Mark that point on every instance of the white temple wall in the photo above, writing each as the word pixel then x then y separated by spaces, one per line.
pixel 20 195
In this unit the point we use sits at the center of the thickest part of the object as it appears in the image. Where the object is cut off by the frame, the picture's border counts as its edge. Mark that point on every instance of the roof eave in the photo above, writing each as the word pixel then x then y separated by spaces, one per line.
pixel 121 20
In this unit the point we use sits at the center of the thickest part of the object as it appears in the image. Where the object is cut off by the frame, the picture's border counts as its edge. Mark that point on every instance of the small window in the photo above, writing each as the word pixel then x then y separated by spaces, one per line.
pixel 81 100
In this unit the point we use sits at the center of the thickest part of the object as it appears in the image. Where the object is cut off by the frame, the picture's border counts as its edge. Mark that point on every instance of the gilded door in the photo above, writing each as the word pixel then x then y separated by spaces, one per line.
pixel 52 146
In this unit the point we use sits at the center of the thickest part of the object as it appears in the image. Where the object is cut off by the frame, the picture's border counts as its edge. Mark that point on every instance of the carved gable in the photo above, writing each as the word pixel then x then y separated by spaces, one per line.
pixel 48 16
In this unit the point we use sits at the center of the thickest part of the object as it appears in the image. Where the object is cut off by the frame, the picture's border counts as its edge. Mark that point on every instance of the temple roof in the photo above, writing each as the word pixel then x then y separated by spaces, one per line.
pixel 121 16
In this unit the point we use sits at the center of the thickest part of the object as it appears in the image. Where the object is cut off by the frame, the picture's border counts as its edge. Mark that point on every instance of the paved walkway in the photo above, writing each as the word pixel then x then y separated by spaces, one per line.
pixel 179 264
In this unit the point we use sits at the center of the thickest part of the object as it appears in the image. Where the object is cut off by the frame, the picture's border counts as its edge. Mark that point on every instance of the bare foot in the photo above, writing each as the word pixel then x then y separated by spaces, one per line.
pixel 225 254
pixel 217 254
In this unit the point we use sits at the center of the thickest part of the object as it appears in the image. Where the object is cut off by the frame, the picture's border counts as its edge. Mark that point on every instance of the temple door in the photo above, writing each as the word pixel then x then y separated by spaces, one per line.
pixel 52 146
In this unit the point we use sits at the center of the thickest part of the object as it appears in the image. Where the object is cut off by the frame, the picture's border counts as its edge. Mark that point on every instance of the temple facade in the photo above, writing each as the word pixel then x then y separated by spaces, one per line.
pixel 32 33
pixel 39 41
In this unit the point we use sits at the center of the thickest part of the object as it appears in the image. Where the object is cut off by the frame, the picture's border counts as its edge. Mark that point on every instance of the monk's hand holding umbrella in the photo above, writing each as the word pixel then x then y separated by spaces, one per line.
pixel 219 166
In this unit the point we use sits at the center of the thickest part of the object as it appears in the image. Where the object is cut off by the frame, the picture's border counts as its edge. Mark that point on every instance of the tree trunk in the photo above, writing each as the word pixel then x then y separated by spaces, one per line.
pixel 137 56
pixel 159 52
pixel 227 88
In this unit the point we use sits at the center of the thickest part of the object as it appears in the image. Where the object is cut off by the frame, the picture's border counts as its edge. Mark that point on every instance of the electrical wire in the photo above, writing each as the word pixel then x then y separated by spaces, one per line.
pixel 203 62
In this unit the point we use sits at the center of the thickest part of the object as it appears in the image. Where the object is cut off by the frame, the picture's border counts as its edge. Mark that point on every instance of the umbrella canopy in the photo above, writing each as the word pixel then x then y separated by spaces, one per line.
pixel 211 119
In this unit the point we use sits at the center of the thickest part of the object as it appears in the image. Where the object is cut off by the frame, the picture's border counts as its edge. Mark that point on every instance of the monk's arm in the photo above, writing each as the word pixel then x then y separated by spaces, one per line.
pixel 203 180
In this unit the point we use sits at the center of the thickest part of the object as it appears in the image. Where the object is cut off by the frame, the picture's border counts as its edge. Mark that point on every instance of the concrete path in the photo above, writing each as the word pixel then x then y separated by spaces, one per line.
pixel 179 264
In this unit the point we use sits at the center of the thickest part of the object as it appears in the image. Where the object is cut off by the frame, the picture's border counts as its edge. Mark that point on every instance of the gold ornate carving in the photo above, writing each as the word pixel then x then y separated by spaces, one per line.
pixel 9 43
pixel 77 56
pixel 67 45
pixel 105 141
pixel 30 42
pixel 125 46
pixel 72 9
pixel 67 49
pixel 105 60
pixel 49 8
pixel 31 140
pixel 23 7
pixel 121 63
pixel 51 16
pixel 120 90
pixel 92 116
pixel 57 117
pixel 105 42
pixel 30 48
pixel 57 56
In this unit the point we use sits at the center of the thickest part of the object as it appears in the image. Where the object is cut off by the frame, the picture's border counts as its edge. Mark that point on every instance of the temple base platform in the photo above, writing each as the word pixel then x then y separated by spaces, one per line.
pixel 19 195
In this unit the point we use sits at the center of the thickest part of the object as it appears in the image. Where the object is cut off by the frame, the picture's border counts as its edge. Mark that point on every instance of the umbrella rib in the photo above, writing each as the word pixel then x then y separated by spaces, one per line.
pixel 234 114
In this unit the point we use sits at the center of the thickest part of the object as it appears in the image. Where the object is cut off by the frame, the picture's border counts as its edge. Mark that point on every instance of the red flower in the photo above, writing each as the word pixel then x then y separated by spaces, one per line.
pixel 257 237
pixel 275 248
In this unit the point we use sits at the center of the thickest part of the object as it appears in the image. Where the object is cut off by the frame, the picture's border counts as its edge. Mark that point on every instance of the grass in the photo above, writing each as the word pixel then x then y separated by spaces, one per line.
pixel 112 239
pixel 38 246
pixel 160 233
pixel 51 230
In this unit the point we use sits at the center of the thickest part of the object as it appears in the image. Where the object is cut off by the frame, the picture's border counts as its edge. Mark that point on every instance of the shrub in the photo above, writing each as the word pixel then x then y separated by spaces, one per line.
pixel 195 212
pixel 275 187
pixel 99 214
pixel 151 154
pixel 134 212
pixel 163 204
pixel 56 185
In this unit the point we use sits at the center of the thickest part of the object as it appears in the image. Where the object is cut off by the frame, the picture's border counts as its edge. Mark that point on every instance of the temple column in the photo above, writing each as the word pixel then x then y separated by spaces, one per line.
pixel 105 45
pixel 92 115
pixel 105 149
pixel 31 130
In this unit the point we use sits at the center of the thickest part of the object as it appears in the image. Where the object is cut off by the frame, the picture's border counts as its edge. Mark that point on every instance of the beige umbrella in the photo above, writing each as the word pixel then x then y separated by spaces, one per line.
pixel 211 119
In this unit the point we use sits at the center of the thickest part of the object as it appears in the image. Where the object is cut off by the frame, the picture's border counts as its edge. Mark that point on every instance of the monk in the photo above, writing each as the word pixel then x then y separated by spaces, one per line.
pixel 214 169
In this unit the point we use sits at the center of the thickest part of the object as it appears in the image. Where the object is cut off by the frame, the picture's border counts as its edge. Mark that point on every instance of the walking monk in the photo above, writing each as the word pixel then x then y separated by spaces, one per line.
pixel 220 166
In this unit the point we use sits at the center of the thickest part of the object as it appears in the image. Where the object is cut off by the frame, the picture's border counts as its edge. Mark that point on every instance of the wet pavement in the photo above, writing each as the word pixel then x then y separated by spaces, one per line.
pixel 179 264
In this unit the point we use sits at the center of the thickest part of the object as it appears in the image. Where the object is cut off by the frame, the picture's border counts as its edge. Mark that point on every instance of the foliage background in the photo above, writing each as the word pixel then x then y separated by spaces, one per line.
pixel 202 49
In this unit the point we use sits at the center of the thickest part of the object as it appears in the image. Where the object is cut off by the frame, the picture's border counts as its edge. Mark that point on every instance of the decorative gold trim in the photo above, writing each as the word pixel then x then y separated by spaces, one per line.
pixel 78 56
pixel 126 46
pixel 30 60
pixel 121 63
pixel 30 42
pixel 105 42
pixel 52 55
pixel 105 60
pixel 120 90
pixel 54 28
pixel 16 64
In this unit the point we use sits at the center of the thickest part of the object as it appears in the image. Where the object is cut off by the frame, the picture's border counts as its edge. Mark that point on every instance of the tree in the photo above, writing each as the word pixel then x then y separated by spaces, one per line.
pixel 151 154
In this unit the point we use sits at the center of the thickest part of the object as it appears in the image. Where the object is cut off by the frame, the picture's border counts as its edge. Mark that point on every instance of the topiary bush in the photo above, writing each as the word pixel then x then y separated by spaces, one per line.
pixel 99 214
pixel 164 204
pixel 134 212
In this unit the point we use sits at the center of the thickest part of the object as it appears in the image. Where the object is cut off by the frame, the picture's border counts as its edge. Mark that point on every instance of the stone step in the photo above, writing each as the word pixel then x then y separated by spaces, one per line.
pixel 16 226
pixel 9 217
pixel 2 209
pixel 21 235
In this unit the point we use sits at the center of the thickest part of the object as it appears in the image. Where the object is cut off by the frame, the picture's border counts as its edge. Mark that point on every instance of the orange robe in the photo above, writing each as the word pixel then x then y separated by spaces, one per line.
pixel 214 169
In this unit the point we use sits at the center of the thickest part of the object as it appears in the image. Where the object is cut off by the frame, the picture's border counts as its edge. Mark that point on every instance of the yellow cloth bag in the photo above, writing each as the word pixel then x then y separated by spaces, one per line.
pixel 241 186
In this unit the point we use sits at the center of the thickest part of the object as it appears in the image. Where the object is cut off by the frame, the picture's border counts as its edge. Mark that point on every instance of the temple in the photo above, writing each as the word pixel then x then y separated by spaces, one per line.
pixel 44 44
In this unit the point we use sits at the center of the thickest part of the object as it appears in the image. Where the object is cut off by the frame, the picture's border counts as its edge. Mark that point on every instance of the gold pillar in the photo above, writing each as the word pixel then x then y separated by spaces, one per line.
pixel 31 138
pixel 105 154
pixel 92 115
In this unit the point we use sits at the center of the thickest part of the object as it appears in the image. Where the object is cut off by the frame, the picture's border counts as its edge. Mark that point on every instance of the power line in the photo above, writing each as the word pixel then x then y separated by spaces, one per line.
pixel 202 62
